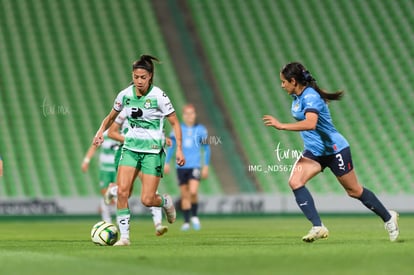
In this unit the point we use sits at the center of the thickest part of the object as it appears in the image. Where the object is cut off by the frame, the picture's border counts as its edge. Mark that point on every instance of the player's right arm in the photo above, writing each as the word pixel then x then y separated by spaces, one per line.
pixel 106 123
pixel 109 119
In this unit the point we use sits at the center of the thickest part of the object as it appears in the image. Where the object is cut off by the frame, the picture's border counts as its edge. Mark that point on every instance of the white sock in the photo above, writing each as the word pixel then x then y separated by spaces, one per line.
pixel 122 219
pixel 114 190
pixel 105 211
pixel 156 215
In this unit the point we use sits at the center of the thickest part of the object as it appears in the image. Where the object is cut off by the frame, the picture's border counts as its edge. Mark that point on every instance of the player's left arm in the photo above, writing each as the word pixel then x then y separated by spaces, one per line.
pixel 207 153
pixel 170 152
pixel 1 166
pixel 313 104
pixel 106 123
pixel 175 124
pixel 167 108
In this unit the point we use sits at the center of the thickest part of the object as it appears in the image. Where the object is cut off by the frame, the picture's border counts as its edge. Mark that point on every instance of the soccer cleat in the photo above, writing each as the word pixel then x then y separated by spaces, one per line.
pixel 316 232
pixel 122 242
pixel 392 226
pixel 161 230
pixel 169 208
pixel 185 226
pixel 195 221
pixel 109 196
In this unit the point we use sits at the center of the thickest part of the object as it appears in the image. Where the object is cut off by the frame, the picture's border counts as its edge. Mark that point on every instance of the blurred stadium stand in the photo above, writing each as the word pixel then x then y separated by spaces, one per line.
pixel 63 62
pixel 361 47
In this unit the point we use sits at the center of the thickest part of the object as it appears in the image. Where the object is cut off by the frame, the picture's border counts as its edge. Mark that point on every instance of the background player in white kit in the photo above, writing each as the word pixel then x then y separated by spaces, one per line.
pixel 107 171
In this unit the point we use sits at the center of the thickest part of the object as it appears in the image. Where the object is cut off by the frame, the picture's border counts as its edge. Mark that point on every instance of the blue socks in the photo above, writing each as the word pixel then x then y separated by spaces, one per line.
pixel 186 214
pixel 373 203
pixel 192 212
pixel 194 209
pixel 306 204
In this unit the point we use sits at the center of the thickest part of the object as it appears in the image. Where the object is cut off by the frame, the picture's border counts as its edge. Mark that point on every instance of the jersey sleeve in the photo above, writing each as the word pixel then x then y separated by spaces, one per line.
pixel 121 117
pixel 165 104
pixel 312 102
pixel 118 103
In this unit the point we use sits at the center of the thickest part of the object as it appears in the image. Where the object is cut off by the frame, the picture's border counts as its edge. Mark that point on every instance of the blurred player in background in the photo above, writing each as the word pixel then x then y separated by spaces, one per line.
pixel 1 166
pixel 194 143
pixel 143 154
pixel 117 132
pixel 107 171
pixel 324 147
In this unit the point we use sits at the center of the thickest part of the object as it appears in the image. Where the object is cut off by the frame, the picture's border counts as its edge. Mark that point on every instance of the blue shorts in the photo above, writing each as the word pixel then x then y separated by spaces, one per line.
pixel 185 174
pixel 339 163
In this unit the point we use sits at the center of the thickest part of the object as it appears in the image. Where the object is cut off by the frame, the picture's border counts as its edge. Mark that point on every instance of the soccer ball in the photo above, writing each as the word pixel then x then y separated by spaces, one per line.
pixel 104 233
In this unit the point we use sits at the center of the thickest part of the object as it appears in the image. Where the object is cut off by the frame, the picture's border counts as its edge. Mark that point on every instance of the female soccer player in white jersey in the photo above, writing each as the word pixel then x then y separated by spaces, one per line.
pixel 194 144
pixel 324 147
pixel 116 132
pixel 142 155
pixel 107 173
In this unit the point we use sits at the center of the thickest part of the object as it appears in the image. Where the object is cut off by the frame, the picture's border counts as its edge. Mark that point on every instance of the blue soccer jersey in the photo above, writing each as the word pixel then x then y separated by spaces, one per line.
pixel 195 139
pixel 325 139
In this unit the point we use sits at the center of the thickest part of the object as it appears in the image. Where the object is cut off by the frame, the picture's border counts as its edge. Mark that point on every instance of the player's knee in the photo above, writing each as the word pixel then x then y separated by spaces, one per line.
pixel 123 193
pixel 147 201
pixel 354 193
pixel 185 203
pixel 295 184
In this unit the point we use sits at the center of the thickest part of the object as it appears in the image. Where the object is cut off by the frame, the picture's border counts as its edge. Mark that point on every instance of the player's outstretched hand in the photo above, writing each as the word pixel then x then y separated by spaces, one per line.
pixel 268 120
pixel 98 139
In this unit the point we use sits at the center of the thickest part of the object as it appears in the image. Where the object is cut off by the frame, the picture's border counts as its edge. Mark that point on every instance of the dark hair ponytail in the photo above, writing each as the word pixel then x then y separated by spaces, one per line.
pixel 145 62
pixel 302 76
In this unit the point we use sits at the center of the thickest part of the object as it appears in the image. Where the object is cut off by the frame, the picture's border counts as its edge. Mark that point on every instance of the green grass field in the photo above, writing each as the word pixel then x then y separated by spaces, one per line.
pixel 225 245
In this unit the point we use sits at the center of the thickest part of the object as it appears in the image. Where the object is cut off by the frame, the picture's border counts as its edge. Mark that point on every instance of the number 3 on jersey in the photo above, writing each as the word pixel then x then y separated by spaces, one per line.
pixel 341 164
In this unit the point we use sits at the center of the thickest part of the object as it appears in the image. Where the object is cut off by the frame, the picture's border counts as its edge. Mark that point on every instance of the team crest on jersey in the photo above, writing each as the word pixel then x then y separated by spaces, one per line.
pixel 147 104
pixel 150 103
pixel 296 106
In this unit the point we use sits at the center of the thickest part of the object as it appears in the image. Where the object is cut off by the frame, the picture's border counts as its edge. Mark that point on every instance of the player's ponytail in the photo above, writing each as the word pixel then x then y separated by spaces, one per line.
pixel 297 71
pixel 145 62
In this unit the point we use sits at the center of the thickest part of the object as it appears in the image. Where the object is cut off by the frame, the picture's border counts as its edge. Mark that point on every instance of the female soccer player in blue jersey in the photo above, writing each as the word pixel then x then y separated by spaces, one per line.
pixel 324 147
pixel 194 144
pixel 147 107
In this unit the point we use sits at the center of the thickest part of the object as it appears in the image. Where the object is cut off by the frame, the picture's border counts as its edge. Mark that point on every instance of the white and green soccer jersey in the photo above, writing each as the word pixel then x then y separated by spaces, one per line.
pixel 145 117
pixel 107 154
pixel 122 121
